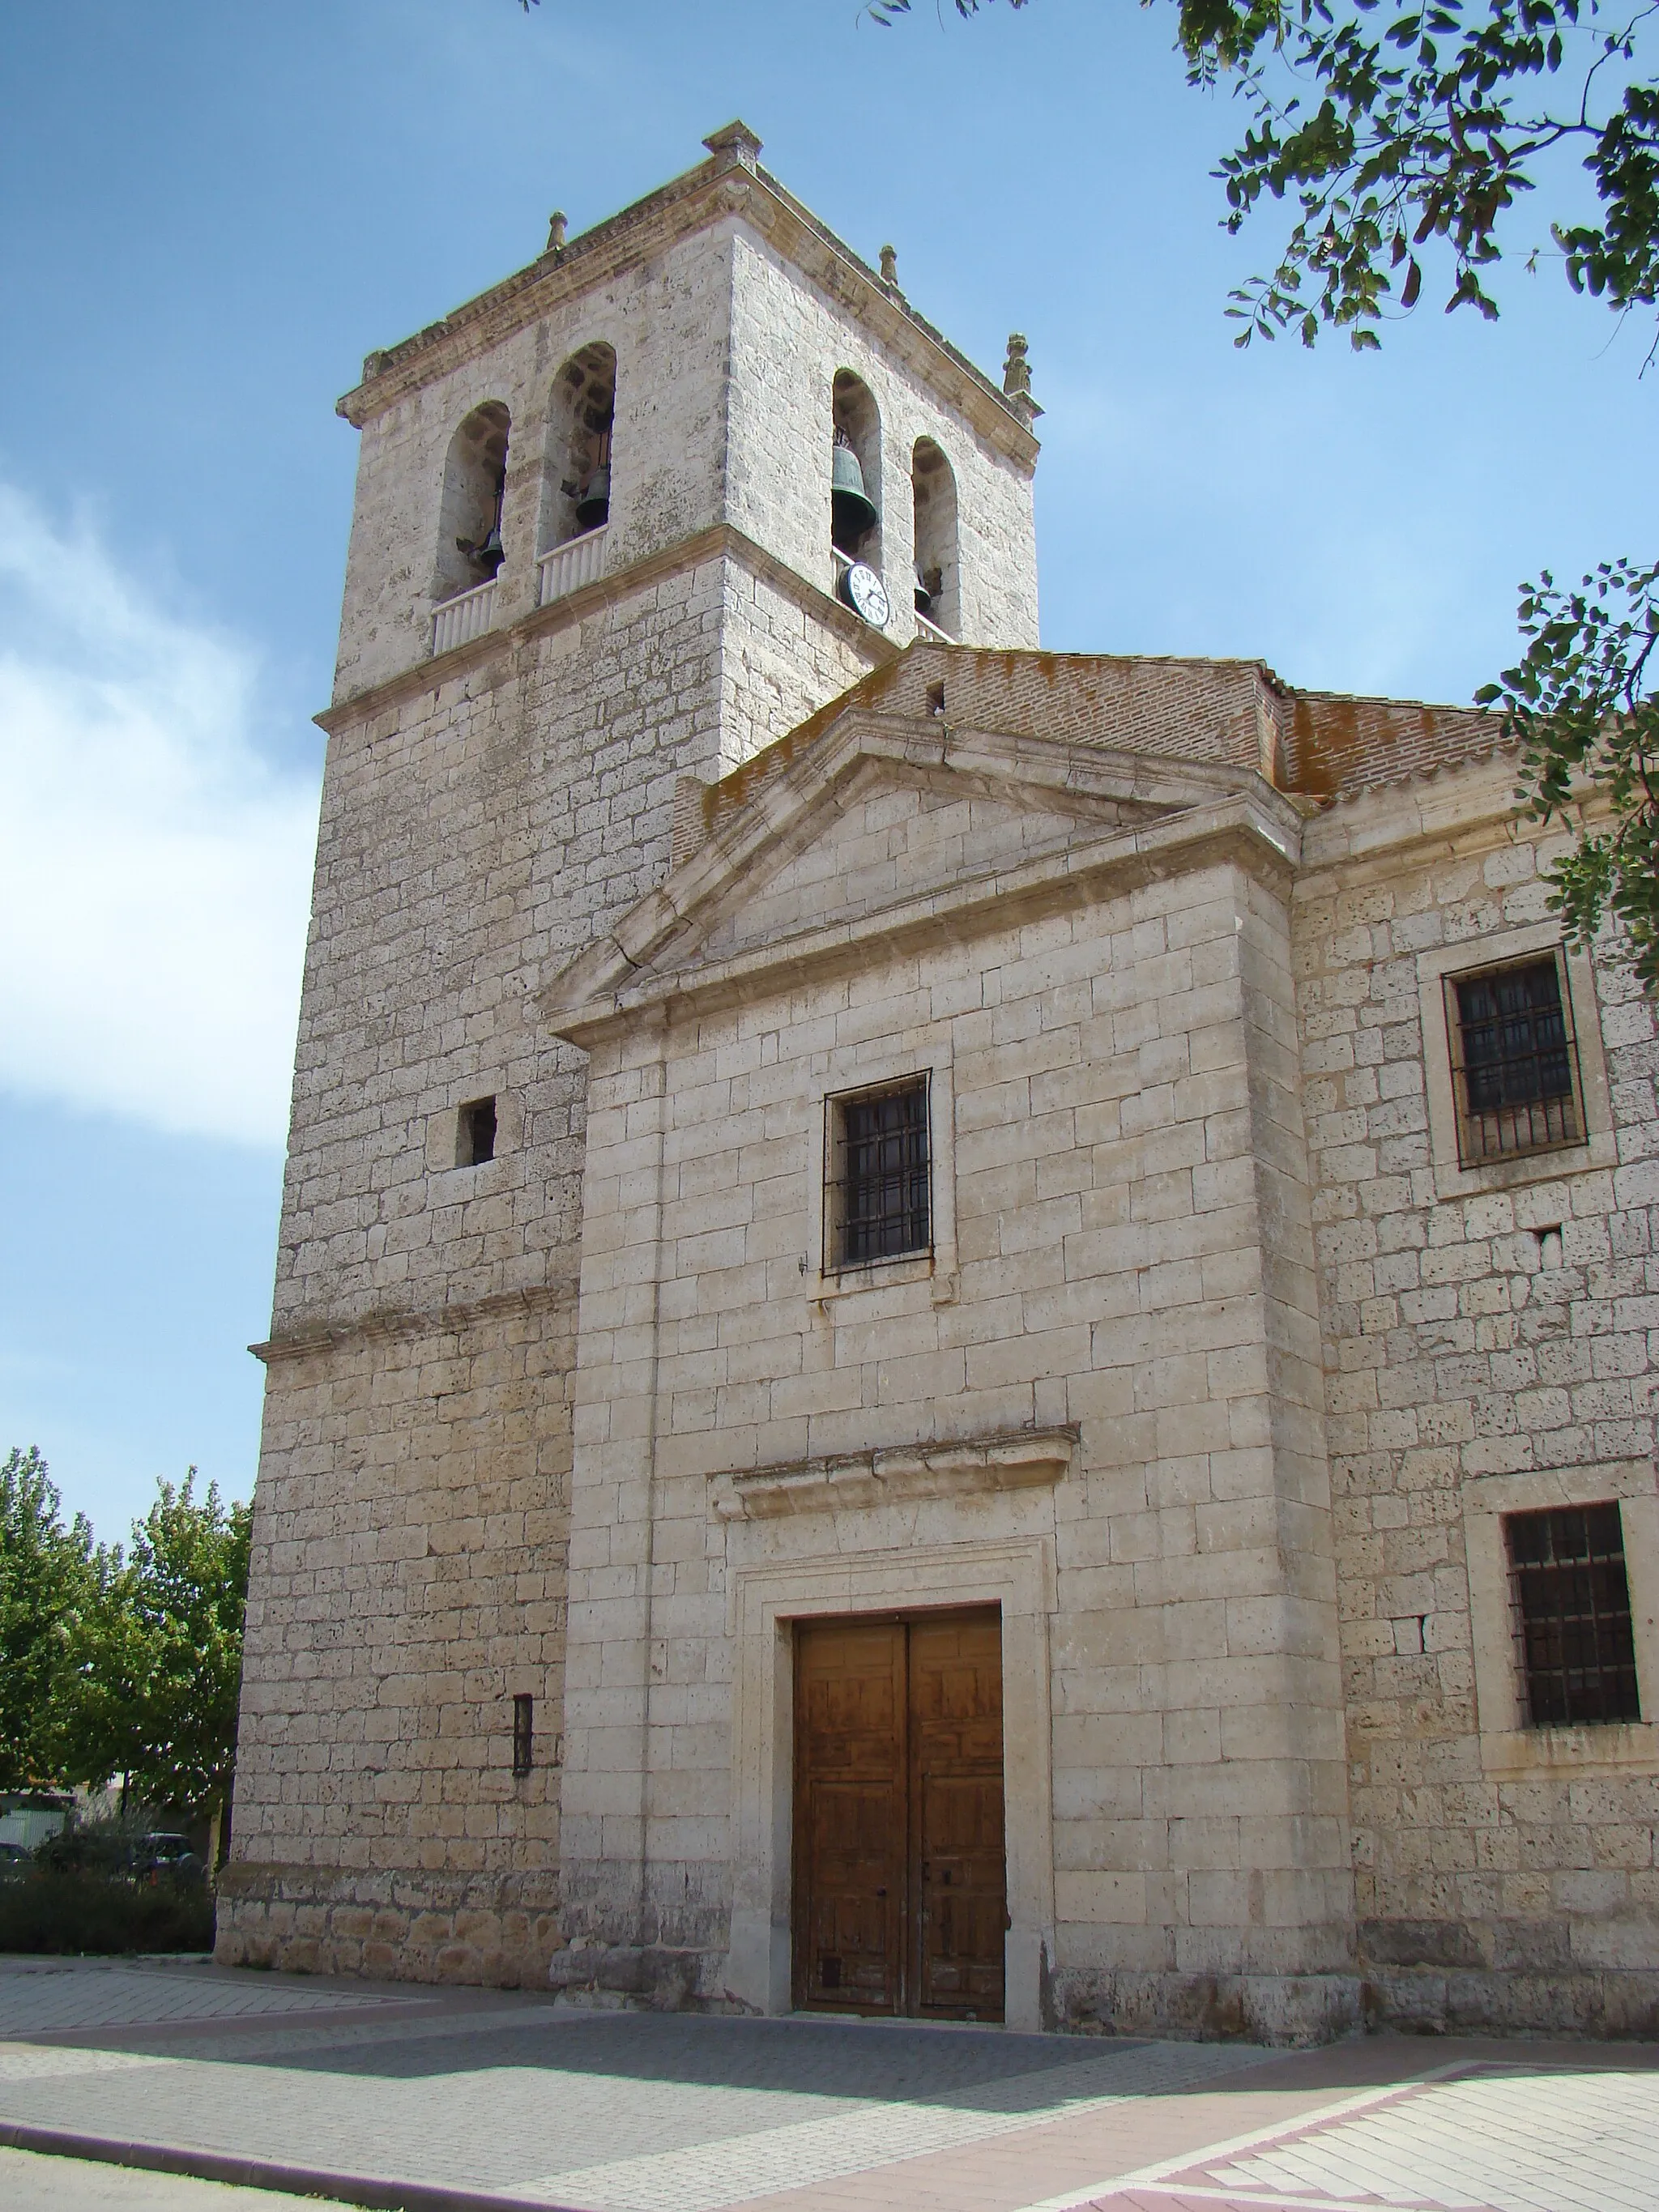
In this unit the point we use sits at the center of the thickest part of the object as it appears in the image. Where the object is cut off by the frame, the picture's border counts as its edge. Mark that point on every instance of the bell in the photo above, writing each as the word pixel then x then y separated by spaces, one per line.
pixel 924 597
pixel 593 508
pixel 489 555
pixel 851 514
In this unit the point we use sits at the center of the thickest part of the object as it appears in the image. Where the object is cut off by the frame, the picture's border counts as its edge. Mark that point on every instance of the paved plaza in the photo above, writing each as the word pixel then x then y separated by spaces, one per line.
pixel 434 2098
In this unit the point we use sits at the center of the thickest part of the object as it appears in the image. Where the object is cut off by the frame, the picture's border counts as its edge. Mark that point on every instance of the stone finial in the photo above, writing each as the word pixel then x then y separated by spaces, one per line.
pixel 734 147
pixel 374 362
pixel 1016 380
pixel 555 231
pixel 890 266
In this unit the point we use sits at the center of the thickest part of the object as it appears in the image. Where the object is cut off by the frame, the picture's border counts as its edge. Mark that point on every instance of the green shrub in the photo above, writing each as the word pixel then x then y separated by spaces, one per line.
pixel 75 1909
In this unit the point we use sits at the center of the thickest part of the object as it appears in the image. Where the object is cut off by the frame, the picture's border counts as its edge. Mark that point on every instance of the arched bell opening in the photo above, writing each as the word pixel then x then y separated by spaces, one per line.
pixel 938 582
pixel 855 472
pixel 576 488
pixel 470 550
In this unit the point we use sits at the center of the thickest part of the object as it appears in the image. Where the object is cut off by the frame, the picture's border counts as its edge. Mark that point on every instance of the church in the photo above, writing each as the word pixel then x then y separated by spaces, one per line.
pixel 960 1332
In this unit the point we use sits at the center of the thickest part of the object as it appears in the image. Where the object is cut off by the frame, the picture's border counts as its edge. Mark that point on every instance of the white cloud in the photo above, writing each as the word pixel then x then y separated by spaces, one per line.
pixel 154 870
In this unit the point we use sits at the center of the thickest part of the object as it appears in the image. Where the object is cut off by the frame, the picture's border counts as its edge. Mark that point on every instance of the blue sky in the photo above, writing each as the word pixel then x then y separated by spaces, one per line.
pixel 208 215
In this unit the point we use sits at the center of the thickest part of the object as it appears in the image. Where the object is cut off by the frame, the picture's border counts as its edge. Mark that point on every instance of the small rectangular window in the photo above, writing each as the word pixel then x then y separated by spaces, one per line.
pixel 1514 1062
pixel 879 1199
pixel 1573 1615
pixel 475 1136
pixel 524 1735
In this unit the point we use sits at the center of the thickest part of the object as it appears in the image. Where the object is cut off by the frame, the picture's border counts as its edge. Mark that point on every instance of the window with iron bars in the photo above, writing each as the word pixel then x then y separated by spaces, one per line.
pixel 878 1195
pixel 523 1735
pixel 1515 1061
pixel 1572 1621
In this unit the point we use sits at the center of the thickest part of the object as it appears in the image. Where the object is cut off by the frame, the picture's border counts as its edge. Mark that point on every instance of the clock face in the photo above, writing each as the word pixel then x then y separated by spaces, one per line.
pixel 869 596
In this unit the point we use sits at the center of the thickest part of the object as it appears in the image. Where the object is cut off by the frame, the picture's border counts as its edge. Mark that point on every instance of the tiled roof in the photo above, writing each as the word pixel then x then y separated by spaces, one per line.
pixel 1337 745
pixel 1321 743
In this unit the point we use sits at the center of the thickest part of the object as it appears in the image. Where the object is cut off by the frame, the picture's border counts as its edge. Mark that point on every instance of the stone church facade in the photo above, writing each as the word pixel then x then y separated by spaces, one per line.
pixel 959 1331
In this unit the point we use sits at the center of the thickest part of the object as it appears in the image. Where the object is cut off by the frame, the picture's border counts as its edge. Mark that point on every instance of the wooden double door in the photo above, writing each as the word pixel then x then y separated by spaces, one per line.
pixel 900 1887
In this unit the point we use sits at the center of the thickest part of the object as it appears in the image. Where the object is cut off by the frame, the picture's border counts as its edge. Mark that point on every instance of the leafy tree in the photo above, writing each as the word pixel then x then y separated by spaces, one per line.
pixel 158 1658
pixel 103 1689
pixel 48 1574
pixel 1411 129
pixel 1581 702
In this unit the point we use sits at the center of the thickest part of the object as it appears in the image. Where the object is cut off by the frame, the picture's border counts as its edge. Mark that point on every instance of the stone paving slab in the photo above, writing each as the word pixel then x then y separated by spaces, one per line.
pixel 39 1996
pixel 610 2112
pixel 487 2100
pixel 729 2170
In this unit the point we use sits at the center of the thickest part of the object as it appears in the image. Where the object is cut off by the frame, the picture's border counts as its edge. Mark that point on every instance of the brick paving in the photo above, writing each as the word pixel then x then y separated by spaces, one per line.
pixel 510 2097
pixel 1500 2138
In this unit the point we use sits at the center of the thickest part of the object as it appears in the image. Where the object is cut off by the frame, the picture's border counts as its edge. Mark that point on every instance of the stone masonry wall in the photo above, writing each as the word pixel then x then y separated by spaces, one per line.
pixel 668 322
pixel 407 1583
pixel 1471 1361
pixel 473 838
pixel 781 659
pixel 1127 1250
pixel 473 835
pixel 787 342
pixel 482 822
pixel 725 357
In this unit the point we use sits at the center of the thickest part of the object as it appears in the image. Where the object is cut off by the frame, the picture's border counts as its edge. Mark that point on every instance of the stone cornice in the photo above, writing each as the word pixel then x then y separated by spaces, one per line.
pixel 1068 771
pixel 1007 1459
pixel 305 1340
pixel 1456 810
pixel 727 186
pixel 610 590
pixel 1101 868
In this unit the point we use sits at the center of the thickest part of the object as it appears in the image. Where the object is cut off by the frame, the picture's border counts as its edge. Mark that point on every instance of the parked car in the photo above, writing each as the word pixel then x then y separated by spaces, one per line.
pixel 14 1860
pixel 163 1853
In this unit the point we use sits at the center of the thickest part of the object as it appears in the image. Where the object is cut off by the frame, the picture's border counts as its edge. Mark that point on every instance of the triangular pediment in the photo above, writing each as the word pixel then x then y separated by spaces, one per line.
pixel 879 821
pixel 889 834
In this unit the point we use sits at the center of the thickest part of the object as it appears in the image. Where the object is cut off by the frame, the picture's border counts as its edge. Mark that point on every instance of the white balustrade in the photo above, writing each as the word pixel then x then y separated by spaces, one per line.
pixel 569 567
pixel 460 620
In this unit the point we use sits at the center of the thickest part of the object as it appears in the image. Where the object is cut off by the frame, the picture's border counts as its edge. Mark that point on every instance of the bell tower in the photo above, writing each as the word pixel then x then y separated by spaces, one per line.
pixel 623 519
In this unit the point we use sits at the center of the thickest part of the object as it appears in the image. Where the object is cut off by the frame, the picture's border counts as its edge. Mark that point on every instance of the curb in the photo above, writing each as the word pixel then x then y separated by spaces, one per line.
pixel 379 2194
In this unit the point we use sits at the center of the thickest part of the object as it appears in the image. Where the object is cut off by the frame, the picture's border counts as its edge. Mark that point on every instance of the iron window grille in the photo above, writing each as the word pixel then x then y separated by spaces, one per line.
pixel 878 1193
pixel 523 1735
pixel 1573 1620
pixel 1513 1061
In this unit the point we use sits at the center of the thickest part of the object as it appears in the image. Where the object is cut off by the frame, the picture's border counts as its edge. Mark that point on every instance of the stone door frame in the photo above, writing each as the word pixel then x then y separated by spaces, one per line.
pixel 1015 1574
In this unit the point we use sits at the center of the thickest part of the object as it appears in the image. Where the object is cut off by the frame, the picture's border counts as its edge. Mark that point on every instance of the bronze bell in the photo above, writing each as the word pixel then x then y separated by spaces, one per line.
pixel 851 515
pixel 489 555
pixel 593 508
